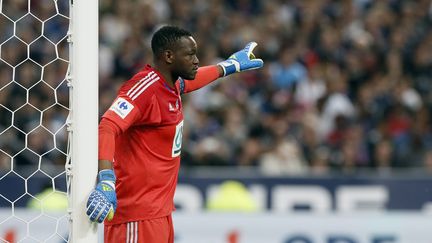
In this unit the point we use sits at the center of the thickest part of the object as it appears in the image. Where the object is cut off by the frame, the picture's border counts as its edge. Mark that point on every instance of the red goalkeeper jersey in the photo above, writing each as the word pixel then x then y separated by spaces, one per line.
pixel 142 133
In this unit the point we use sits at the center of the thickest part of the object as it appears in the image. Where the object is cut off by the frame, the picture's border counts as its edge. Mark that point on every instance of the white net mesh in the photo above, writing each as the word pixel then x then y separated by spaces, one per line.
pixel 34 106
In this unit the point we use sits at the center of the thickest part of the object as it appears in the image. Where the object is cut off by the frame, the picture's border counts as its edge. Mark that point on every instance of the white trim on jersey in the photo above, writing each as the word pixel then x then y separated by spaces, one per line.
pixel 142 89
pixel 132 232
pixel 149 77
pixel 148 74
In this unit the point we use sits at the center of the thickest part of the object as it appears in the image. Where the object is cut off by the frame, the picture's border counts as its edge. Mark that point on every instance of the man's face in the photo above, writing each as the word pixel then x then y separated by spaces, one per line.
pixel 185 64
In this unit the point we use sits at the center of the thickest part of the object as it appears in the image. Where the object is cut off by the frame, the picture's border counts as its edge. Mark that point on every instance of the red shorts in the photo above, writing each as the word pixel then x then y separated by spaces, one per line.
pixel 158 230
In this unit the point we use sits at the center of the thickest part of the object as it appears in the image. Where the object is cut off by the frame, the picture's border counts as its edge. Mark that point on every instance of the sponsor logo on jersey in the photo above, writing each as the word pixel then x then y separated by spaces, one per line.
pixel 121 107
pixel 177 142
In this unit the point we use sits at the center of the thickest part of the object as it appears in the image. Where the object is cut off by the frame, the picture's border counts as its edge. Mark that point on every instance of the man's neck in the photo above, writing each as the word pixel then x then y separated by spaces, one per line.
pixel 166 75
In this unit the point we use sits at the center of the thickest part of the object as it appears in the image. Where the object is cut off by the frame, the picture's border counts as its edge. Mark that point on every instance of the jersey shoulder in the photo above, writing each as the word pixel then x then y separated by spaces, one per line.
pixel 141 86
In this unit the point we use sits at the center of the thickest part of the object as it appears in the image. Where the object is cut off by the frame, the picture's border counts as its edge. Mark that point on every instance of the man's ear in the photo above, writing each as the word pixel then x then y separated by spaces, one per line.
pixel 168 55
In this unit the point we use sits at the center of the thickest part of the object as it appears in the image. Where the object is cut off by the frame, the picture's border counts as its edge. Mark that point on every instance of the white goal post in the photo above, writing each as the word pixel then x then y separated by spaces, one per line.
pixel 83 116
pixel 48 119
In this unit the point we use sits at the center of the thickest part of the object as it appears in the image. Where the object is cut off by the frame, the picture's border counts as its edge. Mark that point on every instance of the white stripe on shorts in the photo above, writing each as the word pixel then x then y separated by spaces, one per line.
pixel 132 232
pixel 127 232
pixel 136 232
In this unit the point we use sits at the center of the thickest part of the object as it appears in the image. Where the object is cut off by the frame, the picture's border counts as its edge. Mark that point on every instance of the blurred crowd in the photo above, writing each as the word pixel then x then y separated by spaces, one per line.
pixel 346 84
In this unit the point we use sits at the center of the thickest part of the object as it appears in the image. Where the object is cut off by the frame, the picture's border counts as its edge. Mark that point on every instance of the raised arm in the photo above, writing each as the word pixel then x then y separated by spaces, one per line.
pixel 205 75
pixel 240 61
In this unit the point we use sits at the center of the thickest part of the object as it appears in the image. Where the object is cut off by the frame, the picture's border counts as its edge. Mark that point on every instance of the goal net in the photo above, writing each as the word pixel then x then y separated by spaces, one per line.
pixel 48 119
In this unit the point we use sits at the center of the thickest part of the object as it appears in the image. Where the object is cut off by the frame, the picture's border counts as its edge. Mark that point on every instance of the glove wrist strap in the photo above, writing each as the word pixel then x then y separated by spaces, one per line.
pixel 228 68
pixel 107 175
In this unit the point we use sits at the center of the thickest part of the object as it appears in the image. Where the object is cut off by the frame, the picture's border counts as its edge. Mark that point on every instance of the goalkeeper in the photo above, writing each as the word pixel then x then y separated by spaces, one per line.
pixel 140 139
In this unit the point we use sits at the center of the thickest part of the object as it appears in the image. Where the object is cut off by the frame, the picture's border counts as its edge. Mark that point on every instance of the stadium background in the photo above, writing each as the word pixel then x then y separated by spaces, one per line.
pixel 344 97
pixel 346 84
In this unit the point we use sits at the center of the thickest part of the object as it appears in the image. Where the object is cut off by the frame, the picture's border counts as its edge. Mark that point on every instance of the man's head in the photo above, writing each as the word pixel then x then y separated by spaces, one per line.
pixel 176 49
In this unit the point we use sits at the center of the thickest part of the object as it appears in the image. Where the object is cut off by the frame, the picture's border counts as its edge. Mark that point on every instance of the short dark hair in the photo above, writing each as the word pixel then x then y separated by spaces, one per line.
pixel 165 37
